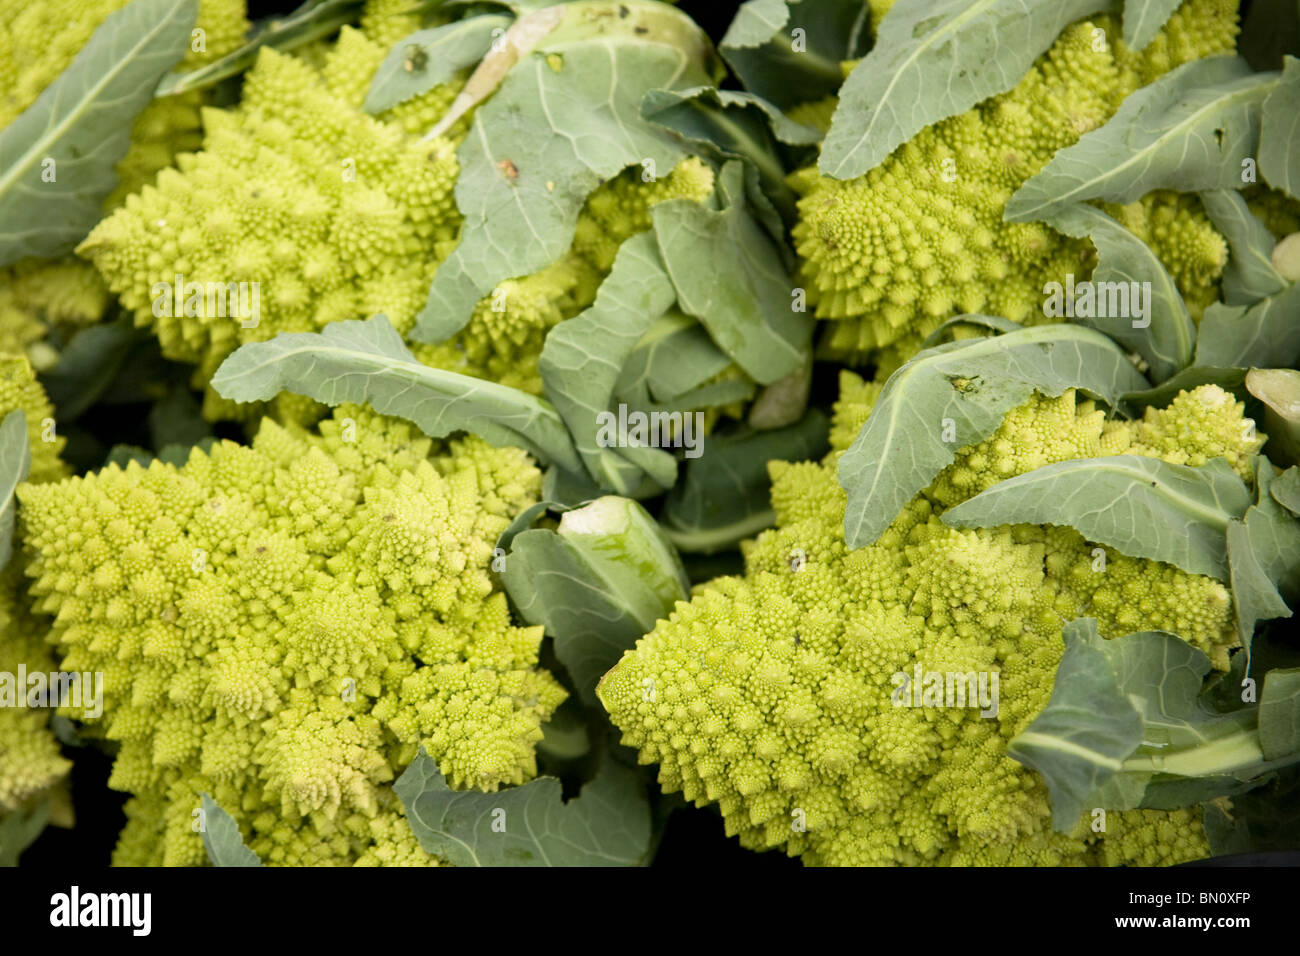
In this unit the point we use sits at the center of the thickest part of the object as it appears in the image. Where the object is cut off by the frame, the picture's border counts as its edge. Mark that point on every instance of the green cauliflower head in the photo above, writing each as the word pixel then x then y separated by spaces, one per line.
pixel 337 214
pixel 38 41
pixel 31 762
pixel 776 694
pixel 888 256
pixel 283 626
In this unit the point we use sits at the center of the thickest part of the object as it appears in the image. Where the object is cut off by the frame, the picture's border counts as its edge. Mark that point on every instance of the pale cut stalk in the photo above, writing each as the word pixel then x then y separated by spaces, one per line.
pixel 1279 390
pixel 524 34
pixel 628 550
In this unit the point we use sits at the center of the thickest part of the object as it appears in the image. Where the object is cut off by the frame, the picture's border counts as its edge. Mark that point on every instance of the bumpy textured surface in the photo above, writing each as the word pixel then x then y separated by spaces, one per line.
pixel 283 626
pixel 771 694
pixel 340 215
pixel 19 389
pixel 30 760
pixel 888 256
pixel 37 42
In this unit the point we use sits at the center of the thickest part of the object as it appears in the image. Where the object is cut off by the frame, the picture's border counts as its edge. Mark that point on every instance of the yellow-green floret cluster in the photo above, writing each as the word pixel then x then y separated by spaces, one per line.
pixel 336 214
pixel 30 760
pixel 284 625
pixel 776 695
pixel 37 42
pixel 888 256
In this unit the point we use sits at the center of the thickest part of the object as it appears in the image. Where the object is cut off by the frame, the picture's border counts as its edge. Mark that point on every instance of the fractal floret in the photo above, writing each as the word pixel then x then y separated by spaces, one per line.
pixel 30 758
pixel 37 42
pixel 31 762
pixel 284 626
pixel 783 695
pixel 330 214
pixel 889 256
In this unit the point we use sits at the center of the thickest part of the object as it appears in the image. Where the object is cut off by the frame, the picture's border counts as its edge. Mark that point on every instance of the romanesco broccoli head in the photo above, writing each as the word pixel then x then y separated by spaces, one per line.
pixel 336 214
pixel 37 42
pixel 776 694
pixel 30 759
pixel 19 390
pixel 892 254
pixel 284 625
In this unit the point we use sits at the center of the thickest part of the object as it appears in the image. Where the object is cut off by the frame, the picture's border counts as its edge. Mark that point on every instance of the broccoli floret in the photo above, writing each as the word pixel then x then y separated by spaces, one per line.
pixel 889 256
pixel 340 215
pixel 283 626
pixel 31 763
pixel 37 42
pixel 773 694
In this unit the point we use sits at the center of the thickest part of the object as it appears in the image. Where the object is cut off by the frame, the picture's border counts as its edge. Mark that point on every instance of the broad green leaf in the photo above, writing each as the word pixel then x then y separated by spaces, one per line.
pixel 1279 136
pixel 1254 596
pixel 730 125
pixel 582 358
pixel 19 829
pixel 1189 130
pixel 709 395
pixel 1249 275
pixel 598 584
pixel 934 59
pixel 1274 533
pixel 1142 507
pixel 57 159
pixel 564 120
pixel 1164 334
pixel 730 276
pixel 970 385
pixel 1264 334
pixel 15 463
pixel 787 68
pixel 674 357
pixel 429 58
pixel 1086 730
pixel 755 23
pixel 1286 490
pixel 367 362
pixel 607 824
pixel 990 324
pixel 1264 555
pixel 312 21
pixel 1143 20
pixel 221 837
pixel 1132 706
pixel 723 496
pixel 1279 713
